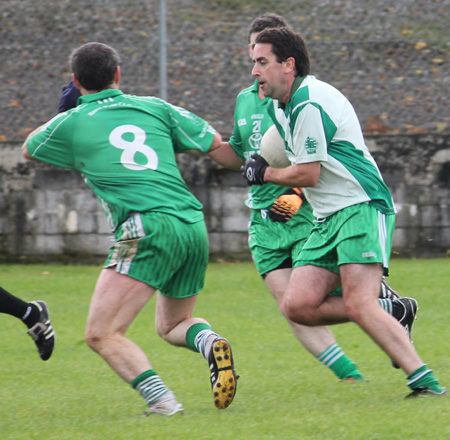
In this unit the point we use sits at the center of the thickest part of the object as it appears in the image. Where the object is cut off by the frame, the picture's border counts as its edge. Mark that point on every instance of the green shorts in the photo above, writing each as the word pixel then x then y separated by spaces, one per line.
pixel 163 252
pixel 357 234
pixel 272 243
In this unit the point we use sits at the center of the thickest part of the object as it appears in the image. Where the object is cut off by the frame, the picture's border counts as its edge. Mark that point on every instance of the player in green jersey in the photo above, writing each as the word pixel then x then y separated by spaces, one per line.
pixel 125 147
pixel 350 242
pixel 35 316
pixel 273 242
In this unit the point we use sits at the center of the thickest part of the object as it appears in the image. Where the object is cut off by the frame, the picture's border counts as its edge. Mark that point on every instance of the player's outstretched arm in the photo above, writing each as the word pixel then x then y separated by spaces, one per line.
pixel 25 153
pixel 225 155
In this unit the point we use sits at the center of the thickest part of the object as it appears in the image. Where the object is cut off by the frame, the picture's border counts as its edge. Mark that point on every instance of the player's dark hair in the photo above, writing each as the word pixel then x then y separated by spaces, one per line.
pixel 266 21
pixel 94 65
pixel 286 44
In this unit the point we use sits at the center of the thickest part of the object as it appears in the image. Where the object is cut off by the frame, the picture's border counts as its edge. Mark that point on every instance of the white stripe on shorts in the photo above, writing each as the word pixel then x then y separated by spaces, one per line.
pixel 382 235
pixel 132 228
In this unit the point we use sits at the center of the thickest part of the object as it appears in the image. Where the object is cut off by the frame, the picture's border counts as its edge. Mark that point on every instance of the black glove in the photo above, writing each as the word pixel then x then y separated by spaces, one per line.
pixel 286 205
pixel 69 97
pixel 254 169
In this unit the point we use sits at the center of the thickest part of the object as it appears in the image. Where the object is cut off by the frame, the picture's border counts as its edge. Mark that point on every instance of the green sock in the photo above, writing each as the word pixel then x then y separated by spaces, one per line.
pixel 337 361
pixel 150 386
pixel 423 377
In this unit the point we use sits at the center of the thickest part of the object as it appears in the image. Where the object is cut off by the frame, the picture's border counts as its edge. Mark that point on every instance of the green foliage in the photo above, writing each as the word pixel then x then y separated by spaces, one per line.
pixel 283 392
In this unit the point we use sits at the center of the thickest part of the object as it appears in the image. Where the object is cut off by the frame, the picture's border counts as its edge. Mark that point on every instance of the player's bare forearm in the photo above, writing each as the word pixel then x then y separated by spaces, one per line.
pixel 226 156
pixel 299 175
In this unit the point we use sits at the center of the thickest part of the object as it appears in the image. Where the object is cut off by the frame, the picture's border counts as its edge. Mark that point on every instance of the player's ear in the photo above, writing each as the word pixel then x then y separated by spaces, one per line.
pixel 250 50
pixel 289 64
pixel 117 75
pixel 76 82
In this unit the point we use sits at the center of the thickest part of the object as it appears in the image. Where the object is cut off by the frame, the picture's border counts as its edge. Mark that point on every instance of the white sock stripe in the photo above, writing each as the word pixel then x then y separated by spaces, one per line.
pixel 415 379
pixel 383 290
pixel 158 386
pixel 330 361
pixel 386 305
pixel 151 389
pixel 331 355
pixel 150 382
pixel 333 351
pixel 330 351
pixel 150 399
pixel 332 347
pixel 149 393
pixel 201 341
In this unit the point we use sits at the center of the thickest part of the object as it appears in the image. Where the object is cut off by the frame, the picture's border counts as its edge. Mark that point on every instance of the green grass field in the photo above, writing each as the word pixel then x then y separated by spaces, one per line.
pixel 283 392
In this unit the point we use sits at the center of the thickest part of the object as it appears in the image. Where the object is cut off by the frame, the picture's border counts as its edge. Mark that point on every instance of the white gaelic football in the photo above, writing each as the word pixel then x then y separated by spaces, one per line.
pixel 272 149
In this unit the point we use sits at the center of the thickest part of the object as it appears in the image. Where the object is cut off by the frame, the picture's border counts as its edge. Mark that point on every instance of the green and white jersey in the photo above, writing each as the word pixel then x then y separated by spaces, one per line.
pixel 319 124
pixel 125 148
pixel 251 121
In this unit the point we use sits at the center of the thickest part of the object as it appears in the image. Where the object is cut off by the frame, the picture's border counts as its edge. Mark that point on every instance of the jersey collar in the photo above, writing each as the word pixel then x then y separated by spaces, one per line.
pixel 295 86
pixel 104 94
pixel 255 86
pixel 255 89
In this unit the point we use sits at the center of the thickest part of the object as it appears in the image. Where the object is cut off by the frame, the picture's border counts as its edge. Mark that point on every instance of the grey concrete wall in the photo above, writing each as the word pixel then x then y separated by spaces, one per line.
pixel 47 212
pixel 417 170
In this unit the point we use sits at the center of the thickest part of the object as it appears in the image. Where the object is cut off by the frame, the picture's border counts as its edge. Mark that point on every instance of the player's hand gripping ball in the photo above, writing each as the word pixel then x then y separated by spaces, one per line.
pixel 254 170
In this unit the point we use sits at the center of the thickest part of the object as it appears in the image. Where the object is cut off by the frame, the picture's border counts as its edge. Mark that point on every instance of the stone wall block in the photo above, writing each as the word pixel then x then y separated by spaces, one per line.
pixel 46 210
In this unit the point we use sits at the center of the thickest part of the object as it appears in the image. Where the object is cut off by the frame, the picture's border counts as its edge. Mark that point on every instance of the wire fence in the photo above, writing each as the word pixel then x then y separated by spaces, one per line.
pixel 389 58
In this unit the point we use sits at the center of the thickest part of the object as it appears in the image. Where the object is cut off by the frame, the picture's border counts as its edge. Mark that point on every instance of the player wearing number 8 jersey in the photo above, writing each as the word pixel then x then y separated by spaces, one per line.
pixel 125 148
pixel 140 154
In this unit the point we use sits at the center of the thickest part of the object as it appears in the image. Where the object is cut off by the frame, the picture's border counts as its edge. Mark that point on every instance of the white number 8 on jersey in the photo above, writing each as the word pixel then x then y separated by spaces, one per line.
pixel 130 148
